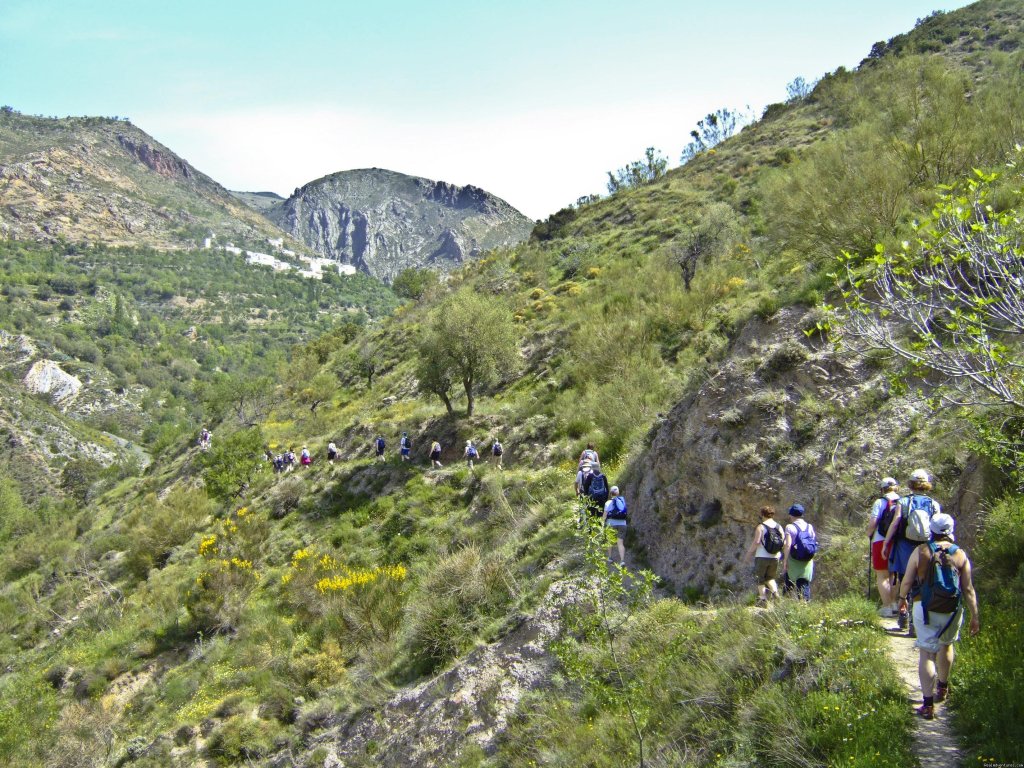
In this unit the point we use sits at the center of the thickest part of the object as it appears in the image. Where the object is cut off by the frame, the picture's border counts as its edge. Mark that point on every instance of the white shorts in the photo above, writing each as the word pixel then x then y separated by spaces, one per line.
pixel 928 635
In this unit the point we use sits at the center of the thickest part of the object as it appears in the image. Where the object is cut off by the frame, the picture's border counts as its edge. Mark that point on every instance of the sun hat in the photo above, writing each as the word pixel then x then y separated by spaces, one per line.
pixel 887 482
pixel 796 510
pixel 919 476
pixel 942 524
pixel 614 489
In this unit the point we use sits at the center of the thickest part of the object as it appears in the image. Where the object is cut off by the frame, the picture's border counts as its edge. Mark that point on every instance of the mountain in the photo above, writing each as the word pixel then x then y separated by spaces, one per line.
pixel 383 222
pixel 211 611
pixel 103 180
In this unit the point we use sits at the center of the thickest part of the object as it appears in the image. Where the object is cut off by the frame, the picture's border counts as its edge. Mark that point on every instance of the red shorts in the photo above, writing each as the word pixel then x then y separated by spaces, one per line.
pixel 878 562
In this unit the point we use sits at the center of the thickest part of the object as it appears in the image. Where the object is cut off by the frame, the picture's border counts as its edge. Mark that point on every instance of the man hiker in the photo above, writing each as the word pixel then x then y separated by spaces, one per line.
pixel 435 454
pixel 496 452
pixel 379 446
pixel 589 454
pixel 595 487
pixel 332 452
pixel 615 518
pixel 583 476
pixel 944 572
pixel 798 553
pixel 471 454
pixel 764 551
pixel 909 528
pixel 405 446
pixel 882 513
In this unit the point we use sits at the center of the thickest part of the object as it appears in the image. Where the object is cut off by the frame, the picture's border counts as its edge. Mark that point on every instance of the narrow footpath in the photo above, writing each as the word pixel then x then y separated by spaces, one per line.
pixel 934 743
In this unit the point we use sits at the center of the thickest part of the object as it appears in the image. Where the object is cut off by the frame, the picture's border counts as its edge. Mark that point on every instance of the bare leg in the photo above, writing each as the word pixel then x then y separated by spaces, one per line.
pixel 926 671
pixel 773 588
pixel 622 551
pixel 884 587
pixel 944 662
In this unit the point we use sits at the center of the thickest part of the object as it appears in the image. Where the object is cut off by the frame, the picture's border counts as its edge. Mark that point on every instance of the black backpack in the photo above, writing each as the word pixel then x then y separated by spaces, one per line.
pixel 885 519
pixel 597 488
pixel 773 539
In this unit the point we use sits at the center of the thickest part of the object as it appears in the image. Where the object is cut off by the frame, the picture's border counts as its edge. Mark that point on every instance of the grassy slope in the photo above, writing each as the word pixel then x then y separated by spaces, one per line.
pixel 611 338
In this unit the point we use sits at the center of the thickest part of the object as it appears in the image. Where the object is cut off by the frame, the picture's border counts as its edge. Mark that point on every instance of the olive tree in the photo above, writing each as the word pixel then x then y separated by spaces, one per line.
pixel 468 339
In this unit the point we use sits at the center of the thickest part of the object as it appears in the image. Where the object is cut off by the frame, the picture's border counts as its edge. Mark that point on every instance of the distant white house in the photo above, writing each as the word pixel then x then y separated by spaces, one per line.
pixel 276 242
pixel 316 265
pixel 232 249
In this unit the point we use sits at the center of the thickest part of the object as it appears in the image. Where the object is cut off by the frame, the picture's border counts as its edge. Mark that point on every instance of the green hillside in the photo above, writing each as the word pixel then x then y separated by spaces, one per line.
pixel 210 611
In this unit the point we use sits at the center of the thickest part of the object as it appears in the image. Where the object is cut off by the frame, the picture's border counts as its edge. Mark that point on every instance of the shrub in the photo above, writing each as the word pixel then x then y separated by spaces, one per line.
pixel 242 739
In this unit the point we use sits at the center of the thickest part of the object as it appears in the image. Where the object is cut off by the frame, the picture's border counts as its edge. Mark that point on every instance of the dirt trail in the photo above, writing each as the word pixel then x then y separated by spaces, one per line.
pixel 934 743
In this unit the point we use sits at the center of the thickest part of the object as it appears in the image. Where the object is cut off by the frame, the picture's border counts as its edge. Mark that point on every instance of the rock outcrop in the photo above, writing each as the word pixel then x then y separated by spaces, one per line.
pixel 46 377
pixel 382 222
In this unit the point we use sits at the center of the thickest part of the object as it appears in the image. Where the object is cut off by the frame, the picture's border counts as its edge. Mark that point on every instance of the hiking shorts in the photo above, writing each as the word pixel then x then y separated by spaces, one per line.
pixel 620 530
pixel 405 451
pixel 878 562
pixel 766 568
pixel 899 557
pixel 930 637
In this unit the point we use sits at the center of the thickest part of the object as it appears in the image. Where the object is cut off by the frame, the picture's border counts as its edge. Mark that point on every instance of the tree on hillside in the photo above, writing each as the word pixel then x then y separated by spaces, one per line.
pixel 798 88
pixel 247 398
pixel 713 129
pixel 703 239
pixel 412 283
pixel 231 464
pixel 950 303
pixel 469 339
pixel 639 172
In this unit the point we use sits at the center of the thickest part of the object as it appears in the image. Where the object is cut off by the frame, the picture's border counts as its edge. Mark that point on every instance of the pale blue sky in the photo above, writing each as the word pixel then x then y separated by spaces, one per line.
pixel 533 100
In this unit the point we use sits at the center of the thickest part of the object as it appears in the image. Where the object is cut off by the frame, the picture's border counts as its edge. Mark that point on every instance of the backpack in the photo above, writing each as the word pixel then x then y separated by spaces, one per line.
pixel 380 443
pixel 618 510
pixel 773 539
pixel 805 543
pixel 471 452
pixel 597 488
pixel 940 591
pixel 885 519
pixel 407 443
pixel 496 448
pixel 917 516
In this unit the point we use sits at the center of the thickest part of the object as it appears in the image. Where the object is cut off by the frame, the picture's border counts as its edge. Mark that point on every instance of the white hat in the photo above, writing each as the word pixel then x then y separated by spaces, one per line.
pixel 615 489
pixel 942 524
pixel 888 482
pixel 919 476
pixel 586 464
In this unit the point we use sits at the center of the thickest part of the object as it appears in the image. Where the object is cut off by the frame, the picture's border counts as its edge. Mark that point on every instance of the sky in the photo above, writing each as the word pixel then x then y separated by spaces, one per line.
pixel 532 100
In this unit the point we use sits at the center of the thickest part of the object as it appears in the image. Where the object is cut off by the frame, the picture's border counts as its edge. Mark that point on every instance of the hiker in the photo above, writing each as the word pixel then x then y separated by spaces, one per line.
pixel 908 529
pixel 615 517
pixel 589 454
pixel 332 452
pixel 764 550
pixel 595 486
pixel 583 477
pixel 405 446
pixel 304 457
pixel 279 464
pixel 496 451
pixel 471 454
pixel 943 571
pixel 205 438
pixel 798 554
pixel 882 513
pixel 435 454
pixel 379 446
pixel 289 460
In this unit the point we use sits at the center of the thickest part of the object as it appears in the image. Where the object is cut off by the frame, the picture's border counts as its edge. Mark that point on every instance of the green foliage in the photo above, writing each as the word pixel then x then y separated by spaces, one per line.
pixel 470 339
pixel 160 526
pixel 231 464
pixel 28 716
pixel 651 168
pixel 986 704
pixel 414 283
pixel 713 129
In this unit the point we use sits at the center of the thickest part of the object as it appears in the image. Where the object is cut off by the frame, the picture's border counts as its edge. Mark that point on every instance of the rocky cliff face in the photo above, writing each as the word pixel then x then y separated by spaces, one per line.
pixel 383 222
pixel 785 419
pixel 92 179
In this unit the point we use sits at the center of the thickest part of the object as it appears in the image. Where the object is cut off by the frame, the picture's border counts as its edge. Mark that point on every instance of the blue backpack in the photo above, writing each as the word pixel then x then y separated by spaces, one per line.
pixel 805 544
pixel 940 591
pixel 618 510
pixel 597 489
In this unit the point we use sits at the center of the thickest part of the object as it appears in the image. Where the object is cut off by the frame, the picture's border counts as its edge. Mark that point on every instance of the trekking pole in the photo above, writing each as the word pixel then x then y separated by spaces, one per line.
pixel 869 569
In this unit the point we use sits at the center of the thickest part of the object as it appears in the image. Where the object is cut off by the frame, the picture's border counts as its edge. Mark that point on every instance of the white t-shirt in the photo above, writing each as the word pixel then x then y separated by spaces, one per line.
pixel 761 551
pixel 609 507
pixel 876 513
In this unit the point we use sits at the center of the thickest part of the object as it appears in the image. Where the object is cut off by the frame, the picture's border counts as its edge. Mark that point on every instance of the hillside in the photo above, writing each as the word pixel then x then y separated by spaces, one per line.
pixel 383 222
pixel 211 611
pixel 102 180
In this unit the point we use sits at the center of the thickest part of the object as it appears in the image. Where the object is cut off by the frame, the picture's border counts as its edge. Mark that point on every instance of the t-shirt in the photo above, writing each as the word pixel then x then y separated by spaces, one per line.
pixel 609 507
pixel 876 513
pixel 793 528
pixel 761 551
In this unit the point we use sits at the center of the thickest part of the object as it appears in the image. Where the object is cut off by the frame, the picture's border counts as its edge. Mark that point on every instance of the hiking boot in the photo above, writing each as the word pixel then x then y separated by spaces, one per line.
pixel 927 711
pixel 941 692
pixel 911 630
pixel 902 619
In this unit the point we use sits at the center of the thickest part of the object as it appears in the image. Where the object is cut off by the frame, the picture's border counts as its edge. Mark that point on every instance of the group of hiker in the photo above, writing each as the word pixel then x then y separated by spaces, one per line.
pixel 598 498
pixel 923 577
pixel 470 452
pixel 287 460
